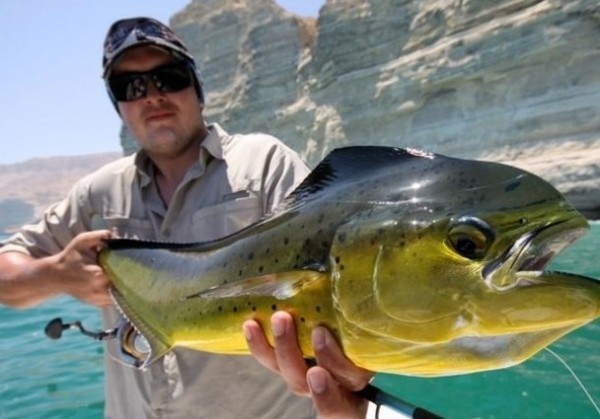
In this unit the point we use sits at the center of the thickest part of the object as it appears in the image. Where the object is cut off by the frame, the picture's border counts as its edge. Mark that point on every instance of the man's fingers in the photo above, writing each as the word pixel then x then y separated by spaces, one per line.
pixel 330 356
pixel 93 238
pixel 292 365
pixel 90 242
pixel 330 399
pixel 259 346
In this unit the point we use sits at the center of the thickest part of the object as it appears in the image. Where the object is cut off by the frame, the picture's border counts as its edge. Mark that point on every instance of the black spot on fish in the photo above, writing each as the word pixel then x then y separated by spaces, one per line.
pixel 268 251
pixel 274 307
pixel 302 320
pixel 253 308
pixel 240 273
pixel 251 256
pixel 260 269
pixel 306 242
pixel 220 308
pixel 234 309
pixel 318 309
pixel 286 241
pixel 276 260
pixel 337 260
pixel 341 267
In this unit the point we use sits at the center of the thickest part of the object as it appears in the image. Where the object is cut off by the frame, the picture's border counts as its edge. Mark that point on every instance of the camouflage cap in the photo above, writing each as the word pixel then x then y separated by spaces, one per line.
pixel 128 33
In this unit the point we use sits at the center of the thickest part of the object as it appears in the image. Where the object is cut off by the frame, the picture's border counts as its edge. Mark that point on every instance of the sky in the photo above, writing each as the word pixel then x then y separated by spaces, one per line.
pixel 53 101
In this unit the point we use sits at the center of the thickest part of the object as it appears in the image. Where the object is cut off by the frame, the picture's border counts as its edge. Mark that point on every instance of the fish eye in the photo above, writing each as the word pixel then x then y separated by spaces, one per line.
pixel 471 237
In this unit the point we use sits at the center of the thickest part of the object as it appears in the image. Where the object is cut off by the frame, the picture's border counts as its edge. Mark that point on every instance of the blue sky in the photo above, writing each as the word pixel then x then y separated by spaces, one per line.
pixel 53 100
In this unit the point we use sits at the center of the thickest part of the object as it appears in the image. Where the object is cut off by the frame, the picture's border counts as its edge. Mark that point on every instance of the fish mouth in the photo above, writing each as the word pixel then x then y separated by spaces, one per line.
pixel 131 347
pixel 532 252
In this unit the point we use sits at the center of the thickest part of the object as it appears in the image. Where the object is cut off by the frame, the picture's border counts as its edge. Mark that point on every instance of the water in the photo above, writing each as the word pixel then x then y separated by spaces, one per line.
pixel 40 378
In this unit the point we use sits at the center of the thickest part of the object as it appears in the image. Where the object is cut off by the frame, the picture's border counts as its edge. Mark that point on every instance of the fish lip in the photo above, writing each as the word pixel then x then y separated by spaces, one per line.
pixel 534 250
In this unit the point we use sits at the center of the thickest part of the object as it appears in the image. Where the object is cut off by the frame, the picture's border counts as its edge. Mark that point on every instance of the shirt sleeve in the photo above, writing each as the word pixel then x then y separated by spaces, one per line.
pixel 56 228
pixel 283 173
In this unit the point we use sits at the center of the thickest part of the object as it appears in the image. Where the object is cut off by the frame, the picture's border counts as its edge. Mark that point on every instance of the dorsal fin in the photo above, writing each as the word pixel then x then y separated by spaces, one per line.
pixel 341 166
pixel 348 164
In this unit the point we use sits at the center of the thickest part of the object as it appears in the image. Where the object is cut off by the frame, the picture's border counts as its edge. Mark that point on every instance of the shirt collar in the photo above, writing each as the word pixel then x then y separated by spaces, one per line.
pixel 211 148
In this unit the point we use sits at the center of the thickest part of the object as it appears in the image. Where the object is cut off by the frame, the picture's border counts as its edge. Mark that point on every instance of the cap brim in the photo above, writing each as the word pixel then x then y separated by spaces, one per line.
pixel 117 58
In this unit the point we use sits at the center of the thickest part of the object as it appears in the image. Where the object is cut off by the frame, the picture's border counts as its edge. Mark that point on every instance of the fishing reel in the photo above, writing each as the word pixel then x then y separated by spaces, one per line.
pixel 133 348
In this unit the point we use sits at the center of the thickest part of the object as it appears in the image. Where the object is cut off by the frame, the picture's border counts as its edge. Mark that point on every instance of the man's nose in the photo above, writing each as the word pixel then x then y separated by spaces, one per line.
pixel 152 91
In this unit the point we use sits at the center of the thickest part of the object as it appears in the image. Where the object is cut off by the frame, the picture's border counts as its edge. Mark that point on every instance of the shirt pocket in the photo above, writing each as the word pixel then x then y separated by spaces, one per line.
pixel 217 221
pixel 130 228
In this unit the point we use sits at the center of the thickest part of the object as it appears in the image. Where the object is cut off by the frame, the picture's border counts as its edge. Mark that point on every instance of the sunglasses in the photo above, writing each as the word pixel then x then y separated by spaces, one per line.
pixel 168 78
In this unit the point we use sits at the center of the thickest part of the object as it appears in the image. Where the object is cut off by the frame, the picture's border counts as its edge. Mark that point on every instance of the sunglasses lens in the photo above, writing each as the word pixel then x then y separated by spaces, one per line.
pixel 172 79
pixel 128 87
pixel 167 79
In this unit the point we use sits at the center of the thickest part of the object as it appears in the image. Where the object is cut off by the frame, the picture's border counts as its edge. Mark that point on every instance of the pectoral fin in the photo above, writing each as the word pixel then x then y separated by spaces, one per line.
pixel 282 285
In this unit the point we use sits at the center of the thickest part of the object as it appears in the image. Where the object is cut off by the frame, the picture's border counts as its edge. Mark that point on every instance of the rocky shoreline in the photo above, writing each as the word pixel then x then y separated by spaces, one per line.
pixel 515 82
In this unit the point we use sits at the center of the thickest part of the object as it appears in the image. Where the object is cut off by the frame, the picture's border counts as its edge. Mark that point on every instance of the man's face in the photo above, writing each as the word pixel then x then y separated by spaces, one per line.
pixel 164 124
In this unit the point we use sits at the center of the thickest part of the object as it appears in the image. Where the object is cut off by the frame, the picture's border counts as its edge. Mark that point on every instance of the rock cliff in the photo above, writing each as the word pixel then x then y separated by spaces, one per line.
pixel 515 81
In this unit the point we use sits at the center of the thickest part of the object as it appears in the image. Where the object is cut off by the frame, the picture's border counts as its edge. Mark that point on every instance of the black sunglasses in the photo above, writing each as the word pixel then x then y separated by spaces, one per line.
pixel 168 78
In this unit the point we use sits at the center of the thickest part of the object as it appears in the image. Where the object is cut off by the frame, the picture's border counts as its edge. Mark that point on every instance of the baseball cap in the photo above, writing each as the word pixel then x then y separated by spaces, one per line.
pixel 133 32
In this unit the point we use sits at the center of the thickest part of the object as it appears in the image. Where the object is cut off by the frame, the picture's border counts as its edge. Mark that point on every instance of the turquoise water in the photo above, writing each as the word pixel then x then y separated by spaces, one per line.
pixel 40 378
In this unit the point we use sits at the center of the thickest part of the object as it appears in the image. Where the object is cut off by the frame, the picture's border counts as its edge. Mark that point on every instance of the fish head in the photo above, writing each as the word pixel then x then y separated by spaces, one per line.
pixel 455 265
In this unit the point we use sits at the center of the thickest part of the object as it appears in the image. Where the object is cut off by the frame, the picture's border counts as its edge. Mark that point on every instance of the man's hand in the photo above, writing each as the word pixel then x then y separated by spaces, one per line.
pixel 79 270
pixel 331 384
pixel 26 281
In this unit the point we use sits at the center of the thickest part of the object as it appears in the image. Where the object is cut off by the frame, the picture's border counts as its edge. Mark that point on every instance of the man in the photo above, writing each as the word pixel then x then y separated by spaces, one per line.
pixel 189 182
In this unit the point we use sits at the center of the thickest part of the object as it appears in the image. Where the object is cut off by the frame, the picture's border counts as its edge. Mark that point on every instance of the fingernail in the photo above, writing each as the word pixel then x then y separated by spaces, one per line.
pixel 317 381
pixel 277 326
pixel 319 338
pixel 247 332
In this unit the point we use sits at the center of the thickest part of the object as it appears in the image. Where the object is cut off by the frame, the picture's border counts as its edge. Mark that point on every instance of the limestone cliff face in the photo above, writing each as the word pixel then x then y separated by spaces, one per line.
pixel 515 81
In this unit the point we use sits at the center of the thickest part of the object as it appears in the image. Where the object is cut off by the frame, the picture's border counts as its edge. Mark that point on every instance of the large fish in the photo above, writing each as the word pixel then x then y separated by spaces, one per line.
pixel 420 264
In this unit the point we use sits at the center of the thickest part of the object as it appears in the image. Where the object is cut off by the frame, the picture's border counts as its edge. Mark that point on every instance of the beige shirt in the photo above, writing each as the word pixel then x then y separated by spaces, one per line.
pixel 237 180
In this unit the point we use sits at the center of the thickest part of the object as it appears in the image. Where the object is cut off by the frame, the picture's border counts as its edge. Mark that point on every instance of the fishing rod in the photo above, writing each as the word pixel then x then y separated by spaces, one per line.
pixel 380 398
pixel 375 395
